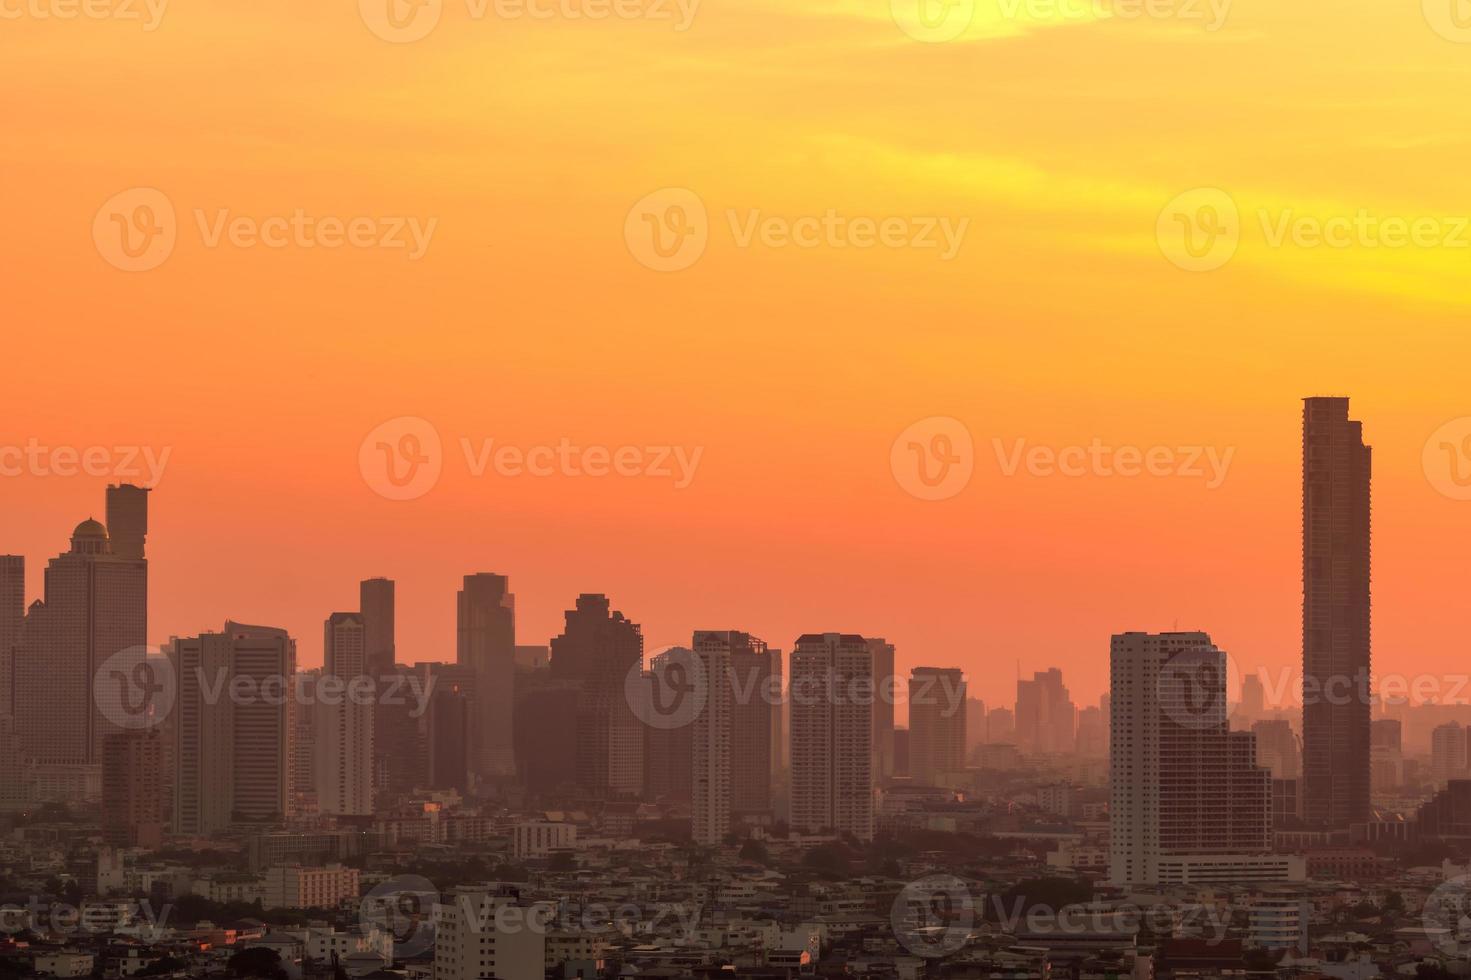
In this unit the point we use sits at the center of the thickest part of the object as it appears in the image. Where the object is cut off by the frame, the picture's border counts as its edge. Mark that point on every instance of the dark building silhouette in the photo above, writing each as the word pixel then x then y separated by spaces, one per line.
pixel 12 618
pixel 1335 615
pixel 545 727
pixel 127 520
pixel 487 645
pixel 597 650
pixel 133 789
pixel 447 727
pixel 376 603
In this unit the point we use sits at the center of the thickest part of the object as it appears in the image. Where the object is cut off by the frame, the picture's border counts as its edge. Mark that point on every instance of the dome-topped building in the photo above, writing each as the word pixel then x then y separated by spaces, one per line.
pixel 90 538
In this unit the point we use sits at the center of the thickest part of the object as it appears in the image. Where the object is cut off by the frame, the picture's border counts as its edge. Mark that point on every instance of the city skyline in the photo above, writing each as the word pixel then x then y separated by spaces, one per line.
pixel 424 631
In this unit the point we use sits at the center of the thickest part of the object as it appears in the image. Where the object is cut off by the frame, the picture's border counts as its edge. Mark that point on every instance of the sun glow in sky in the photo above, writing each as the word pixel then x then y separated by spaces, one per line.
pixel 1314 153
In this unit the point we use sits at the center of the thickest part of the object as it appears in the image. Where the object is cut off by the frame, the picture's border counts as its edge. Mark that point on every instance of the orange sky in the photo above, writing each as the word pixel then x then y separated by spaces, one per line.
pixel 529 319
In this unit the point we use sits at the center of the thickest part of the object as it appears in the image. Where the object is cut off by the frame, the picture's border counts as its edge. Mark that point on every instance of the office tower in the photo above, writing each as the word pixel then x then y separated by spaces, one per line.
pixel 489 931
pixel 936 723
pixel 12 617
pixel 234 728
pixel 447 724
pixel 1277 748
pixel 487 644
pixel 1001 726
pixel 886 686
pixel 127 521
pixel 95 606
pixel 1187 802
pixel 1447 753
pixel 1386 760
pixel 1045 714
pixel 344 724
pixel 133 798
pixel 17 771
pixel 1386 733
pixel 1092 733
pixel 1336 469
pixel 597 650
pixel 831 735
pixel 901 751
pixel 975 724
pixel 262 724
pixel 545 728
pixel 376 604
pixel 1253 699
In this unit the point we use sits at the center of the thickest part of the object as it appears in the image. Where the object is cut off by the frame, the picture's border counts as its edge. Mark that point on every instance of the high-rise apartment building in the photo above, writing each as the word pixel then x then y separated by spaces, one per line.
pixel 1336 469
pixel 886 692
pixel 832 782
pixel 489 931
pixel 937 719
pixel 133 789
pixel 710 735
pixel 1187 801
pixel 343 729
pixel 376 604
pixel 487 644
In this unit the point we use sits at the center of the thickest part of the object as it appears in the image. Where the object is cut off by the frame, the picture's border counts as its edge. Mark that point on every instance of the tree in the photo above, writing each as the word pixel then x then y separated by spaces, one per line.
pixel 562 861
pixel 256 961
pixel 755 851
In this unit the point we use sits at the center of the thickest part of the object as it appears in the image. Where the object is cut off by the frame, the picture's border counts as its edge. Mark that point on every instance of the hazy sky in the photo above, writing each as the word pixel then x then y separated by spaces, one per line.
pixel 521 146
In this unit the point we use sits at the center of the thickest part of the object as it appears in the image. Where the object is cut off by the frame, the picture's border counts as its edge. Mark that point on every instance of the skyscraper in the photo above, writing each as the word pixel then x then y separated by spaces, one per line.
pixel 1187 802
pixel 886 693
pixel 936 723
pixel 1336 467
pixel 344 724
pixel 12 618
pixel 1277 748
pixel 487 644
pixel 95 606
pixel 831 734
pixel 597 649
pixel 1447 753
pixel 127 520
pixel 710 741
pixel 376 603
pixel 1045 714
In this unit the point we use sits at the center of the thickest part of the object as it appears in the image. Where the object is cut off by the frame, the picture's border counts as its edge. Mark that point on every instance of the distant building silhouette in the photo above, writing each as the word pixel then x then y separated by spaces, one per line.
pixel 12 619
pixel 1045 714
pixel 937 715
pixel 133 789
pixel 597 650
pixel 487 645
pixel 886 693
